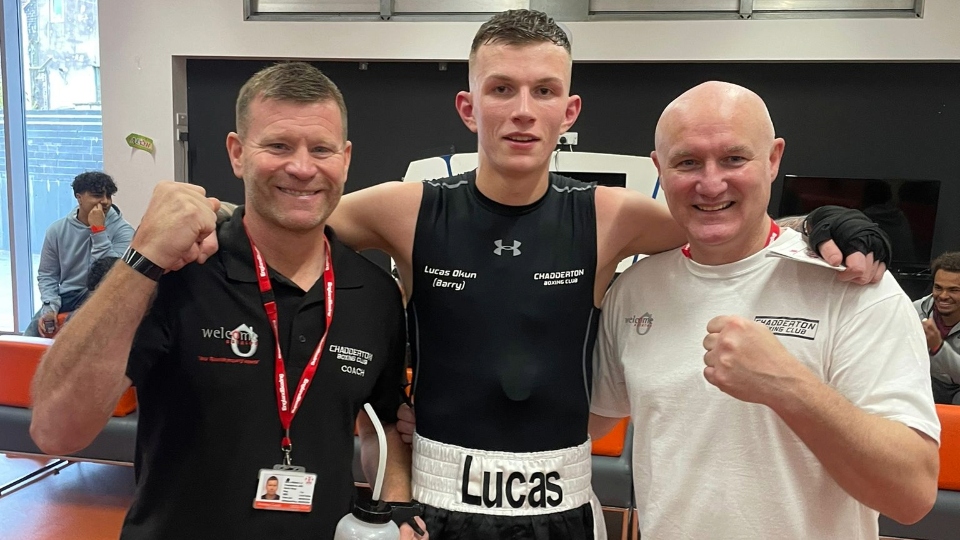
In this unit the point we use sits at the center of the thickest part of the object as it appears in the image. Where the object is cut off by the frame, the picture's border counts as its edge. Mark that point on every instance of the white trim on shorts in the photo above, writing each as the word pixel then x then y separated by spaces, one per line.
pixel 518 484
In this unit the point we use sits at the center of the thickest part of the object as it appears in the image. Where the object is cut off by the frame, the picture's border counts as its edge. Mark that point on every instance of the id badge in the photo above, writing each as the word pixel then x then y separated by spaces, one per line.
pixel 285 488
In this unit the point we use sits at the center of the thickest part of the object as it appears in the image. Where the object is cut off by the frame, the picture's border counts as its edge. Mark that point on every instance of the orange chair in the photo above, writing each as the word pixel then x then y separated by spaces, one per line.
pixel 19 358
pixel 613 473
pixel 949 447
pixel 943 521
pixel 611 444
pixel 62 318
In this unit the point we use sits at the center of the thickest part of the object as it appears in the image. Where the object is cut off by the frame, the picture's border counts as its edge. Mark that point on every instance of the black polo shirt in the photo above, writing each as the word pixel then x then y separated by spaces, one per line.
pixel 208 407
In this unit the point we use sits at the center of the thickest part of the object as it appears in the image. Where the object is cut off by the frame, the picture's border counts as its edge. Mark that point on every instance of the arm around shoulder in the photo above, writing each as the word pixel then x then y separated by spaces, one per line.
pixel 630 223
pixel 381 217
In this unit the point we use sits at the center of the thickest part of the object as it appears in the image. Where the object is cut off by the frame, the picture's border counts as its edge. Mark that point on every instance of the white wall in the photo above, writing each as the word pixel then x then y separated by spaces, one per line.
pixel 143 44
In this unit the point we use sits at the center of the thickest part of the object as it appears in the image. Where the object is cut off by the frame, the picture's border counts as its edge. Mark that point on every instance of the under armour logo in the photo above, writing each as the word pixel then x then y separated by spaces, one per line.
pixel 515 248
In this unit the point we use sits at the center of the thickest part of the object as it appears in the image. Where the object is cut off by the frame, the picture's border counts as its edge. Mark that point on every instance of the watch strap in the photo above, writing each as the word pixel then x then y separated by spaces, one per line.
pixel 134 259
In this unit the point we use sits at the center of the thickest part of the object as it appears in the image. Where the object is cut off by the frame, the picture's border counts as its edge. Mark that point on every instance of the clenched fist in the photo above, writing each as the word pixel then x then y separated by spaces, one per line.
pixel 178 226
pixel 744 359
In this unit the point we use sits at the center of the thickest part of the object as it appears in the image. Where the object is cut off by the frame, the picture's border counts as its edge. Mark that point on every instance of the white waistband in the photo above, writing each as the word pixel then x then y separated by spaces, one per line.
pixel 500 483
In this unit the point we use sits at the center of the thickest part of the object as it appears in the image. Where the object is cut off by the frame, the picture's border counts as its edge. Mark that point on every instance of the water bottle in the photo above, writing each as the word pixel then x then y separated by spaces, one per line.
pixel 49 327
pixel 370 520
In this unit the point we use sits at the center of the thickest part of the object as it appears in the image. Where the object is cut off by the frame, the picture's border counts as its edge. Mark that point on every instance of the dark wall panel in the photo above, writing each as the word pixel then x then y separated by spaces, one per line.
pixel 860 120
pixel 398 112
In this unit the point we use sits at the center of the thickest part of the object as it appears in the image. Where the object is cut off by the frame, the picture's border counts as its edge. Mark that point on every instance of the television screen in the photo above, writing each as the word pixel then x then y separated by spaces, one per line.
pixel 905 209
pixel 609 179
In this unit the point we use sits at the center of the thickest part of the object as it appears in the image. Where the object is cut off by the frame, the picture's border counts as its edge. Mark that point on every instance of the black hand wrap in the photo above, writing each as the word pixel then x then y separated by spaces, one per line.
pixel 850 229
pixel 404 512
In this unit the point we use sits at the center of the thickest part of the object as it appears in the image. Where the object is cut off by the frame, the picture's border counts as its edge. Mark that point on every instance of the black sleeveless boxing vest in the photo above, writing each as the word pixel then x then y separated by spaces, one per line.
pixel 502 319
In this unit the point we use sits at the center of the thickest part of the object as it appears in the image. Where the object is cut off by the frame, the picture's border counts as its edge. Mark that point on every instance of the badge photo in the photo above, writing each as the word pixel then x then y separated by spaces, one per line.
pixel 285 490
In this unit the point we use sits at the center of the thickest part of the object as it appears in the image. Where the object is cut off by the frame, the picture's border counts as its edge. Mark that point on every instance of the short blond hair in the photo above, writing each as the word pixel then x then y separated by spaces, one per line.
pixel 298 82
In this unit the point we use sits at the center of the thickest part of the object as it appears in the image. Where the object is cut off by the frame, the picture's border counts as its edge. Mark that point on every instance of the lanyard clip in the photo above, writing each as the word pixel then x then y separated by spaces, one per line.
pixel 286 445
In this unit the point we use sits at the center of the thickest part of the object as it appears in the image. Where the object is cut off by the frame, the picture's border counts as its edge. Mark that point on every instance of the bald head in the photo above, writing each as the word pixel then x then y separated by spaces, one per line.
pixel 717 157
pixel 715 102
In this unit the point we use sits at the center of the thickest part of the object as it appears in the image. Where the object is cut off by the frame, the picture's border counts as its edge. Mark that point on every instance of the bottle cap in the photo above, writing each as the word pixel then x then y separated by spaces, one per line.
pixel 372 511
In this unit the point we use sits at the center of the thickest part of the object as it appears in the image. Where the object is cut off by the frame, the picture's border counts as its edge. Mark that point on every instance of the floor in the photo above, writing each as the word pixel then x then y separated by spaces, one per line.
pixel 85 501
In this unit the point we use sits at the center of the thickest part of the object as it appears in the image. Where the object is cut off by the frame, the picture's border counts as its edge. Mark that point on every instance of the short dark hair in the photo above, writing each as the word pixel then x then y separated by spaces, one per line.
pixel 949 262
pixel 297 82
pixel 94 182
pixel 273 478
pixel 98 269
pixel 520 27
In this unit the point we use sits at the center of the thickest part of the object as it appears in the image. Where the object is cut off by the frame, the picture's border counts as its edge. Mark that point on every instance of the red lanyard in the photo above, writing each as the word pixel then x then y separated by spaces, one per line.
pixel 287 409
pixel 773 235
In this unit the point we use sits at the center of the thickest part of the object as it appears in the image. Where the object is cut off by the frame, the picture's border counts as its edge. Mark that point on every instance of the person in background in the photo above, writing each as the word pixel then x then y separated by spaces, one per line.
pixel 940 317
pixel 98 270
pixel 94 229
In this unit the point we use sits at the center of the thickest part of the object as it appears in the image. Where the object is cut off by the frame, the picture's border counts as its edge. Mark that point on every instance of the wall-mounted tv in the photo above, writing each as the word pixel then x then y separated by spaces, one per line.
pixel 905 209
pixel 609 179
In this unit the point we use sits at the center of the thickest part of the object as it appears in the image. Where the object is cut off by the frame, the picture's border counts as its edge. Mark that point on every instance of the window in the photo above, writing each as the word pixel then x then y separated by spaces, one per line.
pixel 55 133
pixel 6 268
pixel 377 9
pixel 577 9
pixel 751 9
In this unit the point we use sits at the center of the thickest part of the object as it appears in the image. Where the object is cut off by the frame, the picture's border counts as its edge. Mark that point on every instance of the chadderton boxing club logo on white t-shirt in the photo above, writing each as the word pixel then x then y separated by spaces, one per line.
pixel 790 326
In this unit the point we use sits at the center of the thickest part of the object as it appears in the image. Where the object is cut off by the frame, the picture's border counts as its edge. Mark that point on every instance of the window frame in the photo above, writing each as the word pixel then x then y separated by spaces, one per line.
pixel 575 10
pixel 18 181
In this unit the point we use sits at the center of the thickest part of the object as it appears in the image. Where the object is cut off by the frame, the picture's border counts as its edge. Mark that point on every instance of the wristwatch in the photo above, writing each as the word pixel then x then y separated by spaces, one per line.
pixel 138 262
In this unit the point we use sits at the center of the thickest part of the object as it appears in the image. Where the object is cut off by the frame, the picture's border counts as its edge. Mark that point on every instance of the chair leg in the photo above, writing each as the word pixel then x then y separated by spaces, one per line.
pixel 625 519
pixel 635 524
pixel 54 467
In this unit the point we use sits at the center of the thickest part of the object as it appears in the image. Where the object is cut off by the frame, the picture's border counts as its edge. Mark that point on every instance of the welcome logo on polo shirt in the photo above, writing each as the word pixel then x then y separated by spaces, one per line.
pixel 243 341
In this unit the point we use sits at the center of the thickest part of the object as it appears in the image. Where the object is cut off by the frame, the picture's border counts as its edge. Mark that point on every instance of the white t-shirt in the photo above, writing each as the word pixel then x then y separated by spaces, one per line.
pixel 706 465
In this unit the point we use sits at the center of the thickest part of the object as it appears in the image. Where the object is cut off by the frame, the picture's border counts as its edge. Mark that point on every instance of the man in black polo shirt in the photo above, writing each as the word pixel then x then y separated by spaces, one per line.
pixel 220 403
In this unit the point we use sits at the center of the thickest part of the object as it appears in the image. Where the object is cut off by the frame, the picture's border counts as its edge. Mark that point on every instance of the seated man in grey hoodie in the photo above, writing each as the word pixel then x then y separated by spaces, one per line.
pixel 940 317
pixel 94 229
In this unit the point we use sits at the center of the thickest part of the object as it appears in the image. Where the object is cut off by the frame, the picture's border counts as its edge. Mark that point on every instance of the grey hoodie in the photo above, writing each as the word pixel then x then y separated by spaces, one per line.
pixel 945 365
pixel 69 248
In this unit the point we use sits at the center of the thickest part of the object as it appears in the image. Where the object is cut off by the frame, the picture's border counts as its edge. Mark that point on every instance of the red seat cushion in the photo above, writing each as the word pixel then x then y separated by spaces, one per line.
pixel 949 447
pixel 19 358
